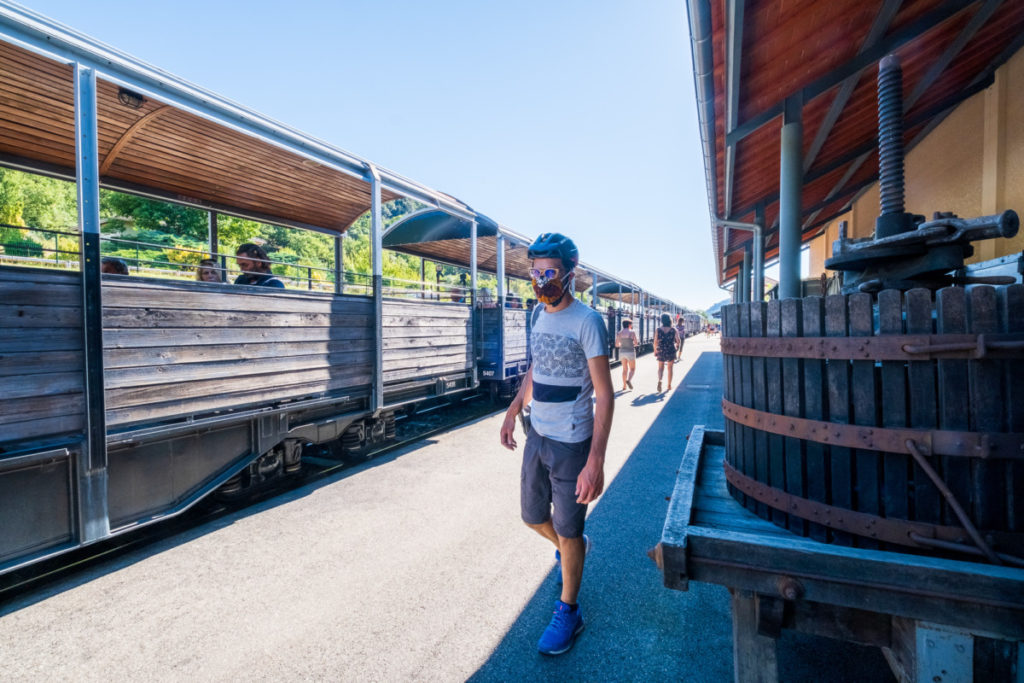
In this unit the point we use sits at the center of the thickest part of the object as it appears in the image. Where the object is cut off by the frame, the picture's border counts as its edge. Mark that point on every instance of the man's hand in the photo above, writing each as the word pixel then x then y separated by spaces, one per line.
pixel 590 483
pixel 508 431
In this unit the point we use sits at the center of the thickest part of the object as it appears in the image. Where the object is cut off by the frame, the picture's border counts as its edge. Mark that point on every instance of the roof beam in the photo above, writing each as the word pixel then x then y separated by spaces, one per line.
pixel 979 19
pixel 878 29
pixel 949 54
pixel 734 50
pixel 863 60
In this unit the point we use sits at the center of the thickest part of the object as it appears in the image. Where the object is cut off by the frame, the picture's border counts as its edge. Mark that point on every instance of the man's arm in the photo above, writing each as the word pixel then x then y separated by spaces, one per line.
pixel 523 398
pixel 590 483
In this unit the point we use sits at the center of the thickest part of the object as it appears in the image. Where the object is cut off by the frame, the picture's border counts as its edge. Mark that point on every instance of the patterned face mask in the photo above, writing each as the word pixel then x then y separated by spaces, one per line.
pixel 551 291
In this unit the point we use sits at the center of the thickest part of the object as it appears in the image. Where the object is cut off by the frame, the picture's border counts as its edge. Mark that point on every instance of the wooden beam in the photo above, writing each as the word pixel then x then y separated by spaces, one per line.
pixel 863 60
pixel 132 131
pixel 878 29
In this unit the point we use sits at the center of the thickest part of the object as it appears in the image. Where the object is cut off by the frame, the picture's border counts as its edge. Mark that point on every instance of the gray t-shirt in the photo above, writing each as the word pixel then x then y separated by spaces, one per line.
pixel 562 408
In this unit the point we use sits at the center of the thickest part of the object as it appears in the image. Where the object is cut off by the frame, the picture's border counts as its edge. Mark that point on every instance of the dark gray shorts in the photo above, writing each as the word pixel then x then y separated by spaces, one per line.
pixel 550 470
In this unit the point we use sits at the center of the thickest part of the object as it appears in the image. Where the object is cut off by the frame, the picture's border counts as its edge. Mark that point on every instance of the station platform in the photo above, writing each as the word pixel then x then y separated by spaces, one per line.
pixel 414 566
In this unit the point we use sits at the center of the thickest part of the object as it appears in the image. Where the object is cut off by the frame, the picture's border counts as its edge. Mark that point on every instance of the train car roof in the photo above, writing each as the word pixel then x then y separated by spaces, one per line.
pixel 437 236
pixel 751 57
pixel 164 137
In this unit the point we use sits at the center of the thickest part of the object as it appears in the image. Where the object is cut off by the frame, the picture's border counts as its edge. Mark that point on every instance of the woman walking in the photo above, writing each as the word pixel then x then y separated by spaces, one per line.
pixel 626 343
pixel 666 340
pixel 681 330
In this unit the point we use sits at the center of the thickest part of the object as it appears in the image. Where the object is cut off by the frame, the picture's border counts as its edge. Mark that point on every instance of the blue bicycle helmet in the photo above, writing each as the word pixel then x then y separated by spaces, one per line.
pixel 555 245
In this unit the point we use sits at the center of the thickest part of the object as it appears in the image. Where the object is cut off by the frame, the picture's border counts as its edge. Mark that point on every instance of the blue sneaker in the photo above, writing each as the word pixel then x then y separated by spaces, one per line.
pixel 561 633
pixel 558 557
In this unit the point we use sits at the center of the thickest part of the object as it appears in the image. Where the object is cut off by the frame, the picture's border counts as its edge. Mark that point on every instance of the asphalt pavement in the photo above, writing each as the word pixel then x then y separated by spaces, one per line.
pixel 415 566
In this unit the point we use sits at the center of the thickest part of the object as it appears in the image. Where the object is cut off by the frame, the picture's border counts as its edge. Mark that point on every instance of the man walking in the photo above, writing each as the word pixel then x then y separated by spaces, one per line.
pixel 563 461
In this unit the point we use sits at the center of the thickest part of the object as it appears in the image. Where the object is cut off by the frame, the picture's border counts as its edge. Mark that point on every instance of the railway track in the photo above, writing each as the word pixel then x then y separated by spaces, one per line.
pixel 426 421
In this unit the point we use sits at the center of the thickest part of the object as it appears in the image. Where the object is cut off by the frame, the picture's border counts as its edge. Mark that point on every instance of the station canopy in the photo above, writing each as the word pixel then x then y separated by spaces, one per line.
pixel 162 147
pixel 438 236
pixel 751 56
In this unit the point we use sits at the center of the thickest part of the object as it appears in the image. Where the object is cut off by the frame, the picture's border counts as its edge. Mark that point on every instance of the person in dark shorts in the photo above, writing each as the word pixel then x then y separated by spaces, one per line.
pixel 255 266
pixel 666 340
pixel 563 460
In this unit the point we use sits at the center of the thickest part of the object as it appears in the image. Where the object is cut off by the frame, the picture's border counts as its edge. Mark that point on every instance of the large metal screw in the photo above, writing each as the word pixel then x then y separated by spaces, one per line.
pixel 890 146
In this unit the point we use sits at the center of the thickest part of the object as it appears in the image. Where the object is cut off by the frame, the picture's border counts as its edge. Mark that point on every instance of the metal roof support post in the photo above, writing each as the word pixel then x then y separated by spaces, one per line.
pixel 593 291
pixel 93 518
pixel 377 256
pixel 212 237
pixel 500 267
pixel 339 264
pixel 744 280
pixel 472 289
pixel 790 181
pixel 758 294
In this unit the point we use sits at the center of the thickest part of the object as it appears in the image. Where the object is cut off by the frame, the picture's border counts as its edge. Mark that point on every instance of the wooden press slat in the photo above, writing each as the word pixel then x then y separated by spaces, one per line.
pixel 896 480
pixel 921 380
pixel 732 445
pixel 988 479
pixel 760 397
pixel 841 473
pixel 954 412
pixel 773 379
pixel 792 404
pixel 1011 309
pixel 813 325
pixel 865 412
pixel 746 463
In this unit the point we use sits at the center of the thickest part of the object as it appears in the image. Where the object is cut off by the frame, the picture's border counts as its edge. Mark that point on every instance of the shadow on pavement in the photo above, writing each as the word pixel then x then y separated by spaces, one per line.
pixel 636 628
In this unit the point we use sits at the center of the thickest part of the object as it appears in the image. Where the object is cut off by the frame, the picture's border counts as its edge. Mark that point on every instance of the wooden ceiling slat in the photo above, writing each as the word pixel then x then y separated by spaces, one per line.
pixel 174 153
pixel 218 166
pixel 175 137
pixel 194 188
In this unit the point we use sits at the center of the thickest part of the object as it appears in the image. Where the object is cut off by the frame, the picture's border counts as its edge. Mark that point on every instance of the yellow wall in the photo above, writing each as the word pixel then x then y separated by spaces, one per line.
pixel 972 164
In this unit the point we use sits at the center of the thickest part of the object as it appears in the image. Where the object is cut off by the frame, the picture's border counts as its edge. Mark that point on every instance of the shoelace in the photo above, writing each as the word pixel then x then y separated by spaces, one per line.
pixel 561 618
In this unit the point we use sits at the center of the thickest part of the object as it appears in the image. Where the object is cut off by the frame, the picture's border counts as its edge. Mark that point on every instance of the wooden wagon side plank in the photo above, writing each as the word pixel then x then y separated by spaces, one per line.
pixel 838 371
pixel 951 318
pixel 813 325
pixel 896 480
pixel 988 479
pixel 922 401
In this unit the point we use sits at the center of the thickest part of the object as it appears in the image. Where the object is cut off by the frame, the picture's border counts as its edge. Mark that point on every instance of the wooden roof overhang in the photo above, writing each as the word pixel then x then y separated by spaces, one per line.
pixel 440 237
pixel 180 143
pixel 751 56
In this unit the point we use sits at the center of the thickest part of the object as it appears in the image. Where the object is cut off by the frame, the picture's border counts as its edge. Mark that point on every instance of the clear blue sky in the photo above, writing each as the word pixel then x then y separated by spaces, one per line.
pixel 569 115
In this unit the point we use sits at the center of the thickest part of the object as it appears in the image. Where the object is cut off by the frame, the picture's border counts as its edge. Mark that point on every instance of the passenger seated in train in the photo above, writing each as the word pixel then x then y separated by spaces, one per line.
pixel 254 263
pixel 208 271
pixel 113 266
pixel 458 294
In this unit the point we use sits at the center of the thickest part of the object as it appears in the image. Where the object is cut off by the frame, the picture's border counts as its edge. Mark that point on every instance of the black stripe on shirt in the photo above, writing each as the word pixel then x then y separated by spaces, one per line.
pixel 553 393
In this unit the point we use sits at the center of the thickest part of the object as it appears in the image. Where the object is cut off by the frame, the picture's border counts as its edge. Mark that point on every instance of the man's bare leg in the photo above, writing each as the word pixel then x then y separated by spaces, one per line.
pixel 573 552
pixel 547 530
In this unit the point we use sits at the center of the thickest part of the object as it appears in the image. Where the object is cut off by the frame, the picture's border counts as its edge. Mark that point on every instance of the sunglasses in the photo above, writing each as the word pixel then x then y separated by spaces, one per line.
pixel 548 274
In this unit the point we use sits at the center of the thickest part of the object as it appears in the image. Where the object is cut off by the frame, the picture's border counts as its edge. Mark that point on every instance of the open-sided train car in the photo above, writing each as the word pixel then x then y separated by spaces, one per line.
pixel 124 400
pixel 501 320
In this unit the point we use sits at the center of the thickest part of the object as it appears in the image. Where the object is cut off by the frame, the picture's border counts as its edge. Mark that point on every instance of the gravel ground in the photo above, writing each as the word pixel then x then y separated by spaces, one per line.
pixel 413 567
